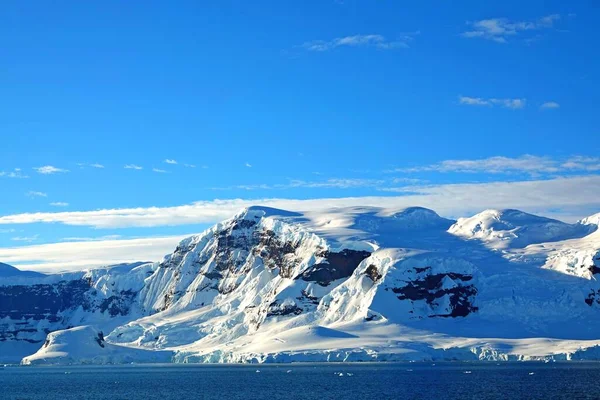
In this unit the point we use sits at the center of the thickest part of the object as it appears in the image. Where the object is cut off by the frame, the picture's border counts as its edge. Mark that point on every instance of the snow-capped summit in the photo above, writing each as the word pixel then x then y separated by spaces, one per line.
pixel 340 284
pixel 514 228
pixel 591 220
pixel 419 217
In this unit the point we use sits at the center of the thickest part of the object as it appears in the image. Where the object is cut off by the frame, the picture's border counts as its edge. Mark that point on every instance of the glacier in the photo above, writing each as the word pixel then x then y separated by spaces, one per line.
pixel 340 284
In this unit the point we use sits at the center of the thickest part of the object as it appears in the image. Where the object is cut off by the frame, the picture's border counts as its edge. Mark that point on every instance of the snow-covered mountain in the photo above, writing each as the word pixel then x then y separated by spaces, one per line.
pixel 338 285
pixel 514 228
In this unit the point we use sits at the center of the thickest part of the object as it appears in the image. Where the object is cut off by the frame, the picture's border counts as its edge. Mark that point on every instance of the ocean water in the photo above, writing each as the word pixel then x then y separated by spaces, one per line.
pixel 305 381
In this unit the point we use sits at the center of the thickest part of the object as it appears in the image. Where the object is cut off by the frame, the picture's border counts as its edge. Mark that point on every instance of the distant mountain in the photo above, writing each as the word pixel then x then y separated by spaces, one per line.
pixel 10 271
pixel 514 228
pixel 343 284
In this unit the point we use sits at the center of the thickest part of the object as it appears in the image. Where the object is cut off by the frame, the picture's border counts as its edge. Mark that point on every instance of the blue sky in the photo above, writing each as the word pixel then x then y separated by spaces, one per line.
pixel 386 102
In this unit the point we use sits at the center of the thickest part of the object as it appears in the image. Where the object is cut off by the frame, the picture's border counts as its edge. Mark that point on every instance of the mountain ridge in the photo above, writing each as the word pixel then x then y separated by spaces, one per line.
pixel 360 283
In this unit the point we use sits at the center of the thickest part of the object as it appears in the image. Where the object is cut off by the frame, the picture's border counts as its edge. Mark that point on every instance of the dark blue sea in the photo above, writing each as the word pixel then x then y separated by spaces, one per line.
pixel 305 381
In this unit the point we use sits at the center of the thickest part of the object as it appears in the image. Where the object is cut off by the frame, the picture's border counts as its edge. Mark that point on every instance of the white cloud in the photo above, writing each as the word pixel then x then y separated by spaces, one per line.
pixel 33 193
pixel 549 105
pixel 16 173
pixel 543 196
pixel 49 169
pixel 497 165
pixel 506 103
pixel 192 166
pixel 79 255
pixel 59 204
pixel 248 165
pixel 376 41
pixel 133 166
pixel 500 30
pixel 160 171
pixel 170 161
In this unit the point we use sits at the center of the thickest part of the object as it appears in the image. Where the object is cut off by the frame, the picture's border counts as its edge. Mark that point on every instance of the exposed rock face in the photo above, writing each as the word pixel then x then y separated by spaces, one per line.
pixel 593 298
pixel 434 286
pixel 436 289
pixel 119 304
pixel 29 312
pixel 373 273
pixel 276 309
pixel 23 309
pixel 336 266
pixel 42 301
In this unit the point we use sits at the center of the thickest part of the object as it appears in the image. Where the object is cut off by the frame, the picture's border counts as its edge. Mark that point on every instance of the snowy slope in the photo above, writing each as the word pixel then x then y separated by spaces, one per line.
pixel 12 272
pixel 514 228
pixel 351 284
pixel 86 345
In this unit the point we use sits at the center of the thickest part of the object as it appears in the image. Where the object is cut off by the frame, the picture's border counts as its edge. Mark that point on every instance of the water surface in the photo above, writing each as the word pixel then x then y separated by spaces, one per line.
pixel 305 381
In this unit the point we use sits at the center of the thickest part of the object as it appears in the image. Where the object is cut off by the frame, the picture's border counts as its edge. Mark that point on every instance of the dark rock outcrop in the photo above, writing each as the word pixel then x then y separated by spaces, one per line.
pixel 42 301
pixel 430 288
pixel 373 273
pixel 593 298
pixel 336 266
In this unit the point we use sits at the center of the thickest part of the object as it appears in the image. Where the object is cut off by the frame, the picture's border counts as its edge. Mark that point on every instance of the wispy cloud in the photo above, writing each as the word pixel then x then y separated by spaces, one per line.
pixel 93 165
pixel 192 166
pixel 59 204
pixel 581 163
pixel 77 254
pixel 373 40
pixel 297 183
pixel 549 105
pixel 15 173
pixel 248 165
pixel 337 183
pixel 549 197
pixel 27 239
pixel 500 30
pixel 33 193
pixel 410 181
pixel 170 161
pixel 506 103
pixel 133 166
pixel 524 164
pixel 160 171
pixel 90 239
pixel 49 169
